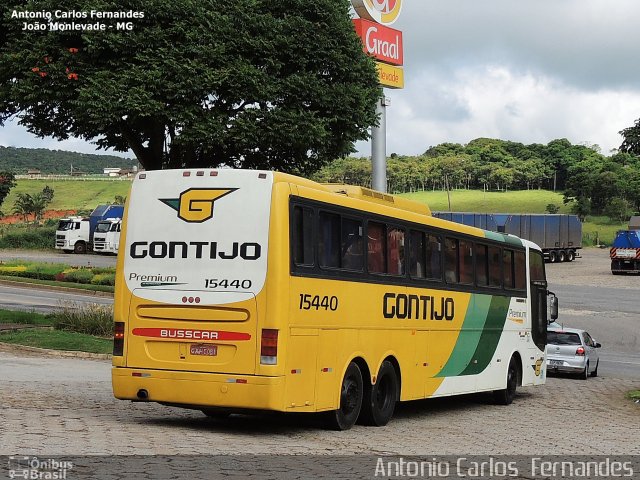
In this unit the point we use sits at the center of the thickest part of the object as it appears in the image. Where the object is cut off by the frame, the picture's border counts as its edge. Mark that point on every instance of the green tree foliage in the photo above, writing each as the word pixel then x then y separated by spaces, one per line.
pixel 7 182
pixel 274 84
pixel 19 160
pixel 631 142
pixel 26 204
pixel 552 208
pixel 588 178
pixel 618 209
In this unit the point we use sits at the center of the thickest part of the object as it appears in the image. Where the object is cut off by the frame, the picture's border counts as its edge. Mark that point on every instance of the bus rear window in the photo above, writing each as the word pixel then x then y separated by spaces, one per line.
pixel 563 338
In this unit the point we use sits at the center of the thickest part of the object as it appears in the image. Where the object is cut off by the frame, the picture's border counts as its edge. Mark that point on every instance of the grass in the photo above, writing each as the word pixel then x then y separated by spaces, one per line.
pixel 595 228
pixel 634 394
pixel 70 194
pixel 518 201
pixel 59 340
pixel 29 318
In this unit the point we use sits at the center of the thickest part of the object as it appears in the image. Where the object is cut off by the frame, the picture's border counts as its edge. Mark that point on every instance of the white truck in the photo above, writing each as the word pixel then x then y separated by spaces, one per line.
pixel 75 234
pixel 72 234
pixel 106 237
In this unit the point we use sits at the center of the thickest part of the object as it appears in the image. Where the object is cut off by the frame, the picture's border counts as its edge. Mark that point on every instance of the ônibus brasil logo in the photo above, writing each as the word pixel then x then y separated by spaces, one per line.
pixel 380 11
pixel 195 205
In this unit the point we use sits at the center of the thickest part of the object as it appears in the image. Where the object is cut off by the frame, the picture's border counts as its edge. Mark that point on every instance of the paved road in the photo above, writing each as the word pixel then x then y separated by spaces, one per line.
pixel 86 260
pixel 44 301
pixel 65 406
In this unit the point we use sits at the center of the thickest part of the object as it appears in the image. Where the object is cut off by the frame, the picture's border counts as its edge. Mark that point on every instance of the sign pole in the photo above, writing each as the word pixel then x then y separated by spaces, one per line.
pixel 379 148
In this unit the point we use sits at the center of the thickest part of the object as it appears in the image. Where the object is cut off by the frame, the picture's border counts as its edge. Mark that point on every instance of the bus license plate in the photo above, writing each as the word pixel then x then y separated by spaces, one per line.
pixel 210 350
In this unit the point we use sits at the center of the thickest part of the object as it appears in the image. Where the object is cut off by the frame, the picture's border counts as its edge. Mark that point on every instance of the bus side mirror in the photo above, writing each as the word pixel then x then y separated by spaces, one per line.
pixel 554 306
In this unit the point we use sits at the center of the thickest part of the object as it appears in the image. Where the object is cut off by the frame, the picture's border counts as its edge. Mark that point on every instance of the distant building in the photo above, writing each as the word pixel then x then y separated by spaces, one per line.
pixel 112 172
pixel 33 173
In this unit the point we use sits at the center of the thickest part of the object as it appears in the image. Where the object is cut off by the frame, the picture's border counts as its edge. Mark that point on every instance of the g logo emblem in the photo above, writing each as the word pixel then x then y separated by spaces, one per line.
pixel 380 11
pixel 196 204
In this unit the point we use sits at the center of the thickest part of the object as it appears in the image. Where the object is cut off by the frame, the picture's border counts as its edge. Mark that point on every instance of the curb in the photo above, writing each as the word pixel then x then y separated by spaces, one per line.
pixel 38 286
pixel 56 353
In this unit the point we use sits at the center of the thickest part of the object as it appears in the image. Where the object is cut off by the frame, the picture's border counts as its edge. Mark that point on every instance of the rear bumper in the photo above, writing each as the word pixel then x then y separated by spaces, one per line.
pixel 576 366
pixel 193 389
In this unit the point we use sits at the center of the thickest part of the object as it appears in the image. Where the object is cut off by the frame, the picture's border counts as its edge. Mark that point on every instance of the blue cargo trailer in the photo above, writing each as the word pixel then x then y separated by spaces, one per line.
pixel 559 236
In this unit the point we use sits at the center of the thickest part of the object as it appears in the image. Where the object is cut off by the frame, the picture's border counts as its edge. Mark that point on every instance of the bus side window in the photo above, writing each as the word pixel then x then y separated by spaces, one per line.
pixel 451 260
pixel 329 240
pixel 375 247
pixel 495 267
pixel 466 262
pixel 434 257
pixel 520 271
pixel 536 266
pixel 395 251
pixel 302 236
pixel 417 255
pixel 352 258
pixel 482 265
pixel 507 262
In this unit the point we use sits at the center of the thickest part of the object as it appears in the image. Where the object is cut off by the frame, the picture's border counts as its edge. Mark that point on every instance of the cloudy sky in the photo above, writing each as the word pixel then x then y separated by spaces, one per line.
pixel 521 70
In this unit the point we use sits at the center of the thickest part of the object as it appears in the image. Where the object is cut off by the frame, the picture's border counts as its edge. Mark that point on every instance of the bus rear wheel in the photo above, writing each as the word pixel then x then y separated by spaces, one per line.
pixel 506 395
pixel 351 392
pixel 379 400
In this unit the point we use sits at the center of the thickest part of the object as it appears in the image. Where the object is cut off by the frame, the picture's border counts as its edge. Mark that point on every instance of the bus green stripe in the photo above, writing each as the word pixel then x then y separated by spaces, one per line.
pixel 490 337
pixel 470 334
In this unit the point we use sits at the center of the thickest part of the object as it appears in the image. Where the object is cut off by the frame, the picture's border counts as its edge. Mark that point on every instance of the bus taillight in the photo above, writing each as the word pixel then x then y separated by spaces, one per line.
pixel 118 339
pixel 269 347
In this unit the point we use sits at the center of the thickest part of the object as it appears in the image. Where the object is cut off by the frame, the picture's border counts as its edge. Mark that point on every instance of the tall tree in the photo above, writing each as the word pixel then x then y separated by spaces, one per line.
pixel 274 84
pixel 7 182
pixel 631 142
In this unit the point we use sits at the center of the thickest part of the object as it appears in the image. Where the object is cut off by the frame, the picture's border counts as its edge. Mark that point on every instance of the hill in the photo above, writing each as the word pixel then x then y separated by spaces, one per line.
pixel 19 160
pixel 75 194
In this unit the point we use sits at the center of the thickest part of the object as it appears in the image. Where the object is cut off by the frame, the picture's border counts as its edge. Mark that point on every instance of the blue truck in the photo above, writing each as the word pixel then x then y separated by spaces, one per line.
pixel 559 236
pixel 625 251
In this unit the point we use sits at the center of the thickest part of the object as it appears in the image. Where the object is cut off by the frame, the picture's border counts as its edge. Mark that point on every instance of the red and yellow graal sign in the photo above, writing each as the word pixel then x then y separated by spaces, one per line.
pixel 383 43
pixel 390 76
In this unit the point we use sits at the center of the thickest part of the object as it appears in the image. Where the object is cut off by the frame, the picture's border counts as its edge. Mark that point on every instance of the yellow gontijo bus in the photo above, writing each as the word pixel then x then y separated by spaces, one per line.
pixel 250 290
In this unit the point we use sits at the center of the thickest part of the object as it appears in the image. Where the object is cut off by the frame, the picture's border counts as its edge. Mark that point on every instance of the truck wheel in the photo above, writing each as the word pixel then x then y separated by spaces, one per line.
pixel 80 247
pixel 553 257
pixel 562 256
pixel 571 255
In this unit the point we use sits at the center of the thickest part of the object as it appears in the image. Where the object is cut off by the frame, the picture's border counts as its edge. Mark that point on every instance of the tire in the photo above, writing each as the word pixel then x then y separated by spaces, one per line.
pixel 506 395
pixel 571 255
pixel 351 393
pixel 562 256
pixel 553 257
pixel 595 372
pixel 379 400
pixel 80 247
pixel 585 375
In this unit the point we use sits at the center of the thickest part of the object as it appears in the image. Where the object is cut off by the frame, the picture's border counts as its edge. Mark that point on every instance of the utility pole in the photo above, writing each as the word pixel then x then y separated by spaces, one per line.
pixel 379 147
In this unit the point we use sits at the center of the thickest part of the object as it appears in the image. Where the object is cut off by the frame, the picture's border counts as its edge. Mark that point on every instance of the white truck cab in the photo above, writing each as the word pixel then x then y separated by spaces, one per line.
pixel 106 237
pixel 72 234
